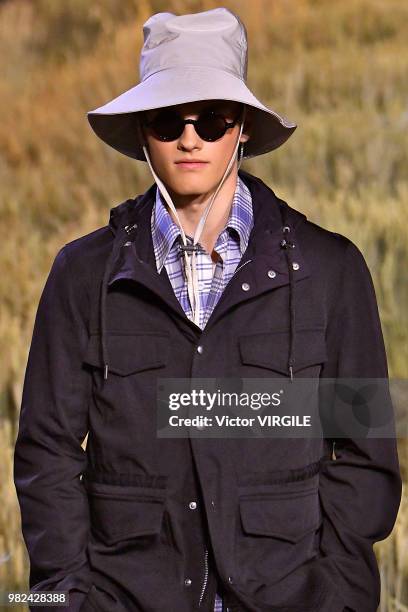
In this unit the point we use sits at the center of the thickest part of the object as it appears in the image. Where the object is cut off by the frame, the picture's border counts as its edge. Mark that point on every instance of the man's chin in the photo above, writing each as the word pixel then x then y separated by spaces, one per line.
pixel 189 188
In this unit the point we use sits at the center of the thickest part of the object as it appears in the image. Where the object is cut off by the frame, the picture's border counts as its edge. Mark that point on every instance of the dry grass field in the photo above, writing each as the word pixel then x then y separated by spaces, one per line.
pixel 338 68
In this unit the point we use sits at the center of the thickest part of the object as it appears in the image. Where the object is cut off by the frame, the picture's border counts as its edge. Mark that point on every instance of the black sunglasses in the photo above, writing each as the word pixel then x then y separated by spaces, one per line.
pixel 169 125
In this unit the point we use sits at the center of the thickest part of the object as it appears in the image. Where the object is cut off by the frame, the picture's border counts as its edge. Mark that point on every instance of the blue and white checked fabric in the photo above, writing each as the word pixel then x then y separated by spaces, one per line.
pixel 218 604
pixel 212 276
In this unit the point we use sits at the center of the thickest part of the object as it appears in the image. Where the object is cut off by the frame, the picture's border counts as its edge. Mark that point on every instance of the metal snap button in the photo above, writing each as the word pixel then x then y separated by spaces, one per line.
pixel 200 349
pixel 129 228
pixel 295 265
pixel 187 581
pixel 128 243
pixel 271 273
pixel 192 505
pixel 245 286
pixel 230 579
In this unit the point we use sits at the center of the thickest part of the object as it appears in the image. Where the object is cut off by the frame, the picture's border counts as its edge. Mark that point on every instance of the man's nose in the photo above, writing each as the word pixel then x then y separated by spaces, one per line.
pixel 189 138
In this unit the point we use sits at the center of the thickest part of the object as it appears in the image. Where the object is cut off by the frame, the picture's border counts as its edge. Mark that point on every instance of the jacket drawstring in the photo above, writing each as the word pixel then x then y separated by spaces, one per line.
pixel 104 289
pixel 288 246
pixel 285 243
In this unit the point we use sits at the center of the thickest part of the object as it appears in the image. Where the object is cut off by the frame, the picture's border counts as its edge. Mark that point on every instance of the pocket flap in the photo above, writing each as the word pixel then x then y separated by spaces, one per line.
pixel 129 352
pixel 287 517
pixel 124 512
pixel 271 349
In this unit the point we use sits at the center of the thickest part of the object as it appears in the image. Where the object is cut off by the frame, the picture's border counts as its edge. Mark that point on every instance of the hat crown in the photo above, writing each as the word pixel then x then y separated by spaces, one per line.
pixel 216 38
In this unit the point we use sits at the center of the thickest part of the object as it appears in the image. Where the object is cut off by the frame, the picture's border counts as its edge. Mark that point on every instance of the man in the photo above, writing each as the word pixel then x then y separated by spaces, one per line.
pixel 206 275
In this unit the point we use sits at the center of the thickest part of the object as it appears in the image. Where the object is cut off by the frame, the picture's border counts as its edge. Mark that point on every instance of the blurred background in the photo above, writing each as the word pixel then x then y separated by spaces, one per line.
pixel 339 68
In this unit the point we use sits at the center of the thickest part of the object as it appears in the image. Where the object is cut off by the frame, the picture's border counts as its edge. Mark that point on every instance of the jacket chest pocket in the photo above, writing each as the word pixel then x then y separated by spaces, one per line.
pixel 129 353
pixel 120 513
pixel 270 350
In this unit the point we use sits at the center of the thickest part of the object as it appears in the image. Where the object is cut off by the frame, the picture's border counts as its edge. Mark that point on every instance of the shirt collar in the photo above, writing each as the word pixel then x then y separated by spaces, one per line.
pixel 165 231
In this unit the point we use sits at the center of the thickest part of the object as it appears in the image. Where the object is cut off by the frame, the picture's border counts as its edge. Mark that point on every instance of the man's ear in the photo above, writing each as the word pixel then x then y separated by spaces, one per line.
pixel 247 129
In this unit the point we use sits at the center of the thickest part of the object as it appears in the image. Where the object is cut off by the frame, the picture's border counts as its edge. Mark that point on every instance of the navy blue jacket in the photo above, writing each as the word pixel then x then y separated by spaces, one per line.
pixel 288 525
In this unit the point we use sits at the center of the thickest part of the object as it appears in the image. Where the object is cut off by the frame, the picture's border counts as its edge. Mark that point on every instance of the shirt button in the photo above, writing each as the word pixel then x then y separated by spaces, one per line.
pixel 271 273
pixel 200 349
pixel 192 505
pixel 187 582
pixel 295 265
pixel 245 286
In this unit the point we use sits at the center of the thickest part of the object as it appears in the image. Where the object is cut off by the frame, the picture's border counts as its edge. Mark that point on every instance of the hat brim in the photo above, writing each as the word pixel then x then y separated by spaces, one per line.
pixel 115 122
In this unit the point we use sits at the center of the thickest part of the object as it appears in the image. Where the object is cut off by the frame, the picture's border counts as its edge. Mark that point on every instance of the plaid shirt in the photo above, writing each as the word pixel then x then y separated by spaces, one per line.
pixel 212 276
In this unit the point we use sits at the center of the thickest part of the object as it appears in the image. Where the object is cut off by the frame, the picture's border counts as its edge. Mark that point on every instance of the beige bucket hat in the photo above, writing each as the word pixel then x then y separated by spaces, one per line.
pixel 186 58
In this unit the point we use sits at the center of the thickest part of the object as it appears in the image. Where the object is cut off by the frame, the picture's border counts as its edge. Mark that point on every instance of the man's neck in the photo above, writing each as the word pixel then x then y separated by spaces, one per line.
pixel 190 209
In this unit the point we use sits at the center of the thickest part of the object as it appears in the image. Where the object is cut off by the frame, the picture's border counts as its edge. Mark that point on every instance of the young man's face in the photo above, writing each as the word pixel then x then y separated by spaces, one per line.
pixel 166 156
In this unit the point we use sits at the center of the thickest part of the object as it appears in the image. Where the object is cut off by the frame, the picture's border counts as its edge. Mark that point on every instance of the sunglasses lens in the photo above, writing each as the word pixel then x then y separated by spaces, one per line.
pixel 210 126
pixel 167 125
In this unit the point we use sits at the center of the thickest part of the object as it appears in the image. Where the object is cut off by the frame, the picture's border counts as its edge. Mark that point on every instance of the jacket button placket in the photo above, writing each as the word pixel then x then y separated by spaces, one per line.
pixel 198 371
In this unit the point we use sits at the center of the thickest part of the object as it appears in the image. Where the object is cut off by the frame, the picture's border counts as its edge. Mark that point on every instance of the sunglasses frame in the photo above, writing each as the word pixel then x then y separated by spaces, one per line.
pixel 227 125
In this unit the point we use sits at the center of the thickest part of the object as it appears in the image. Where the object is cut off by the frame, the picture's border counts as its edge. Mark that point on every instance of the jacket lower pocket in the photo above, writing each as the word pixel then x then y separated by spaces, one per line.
pixel 278 530
pixel 119 513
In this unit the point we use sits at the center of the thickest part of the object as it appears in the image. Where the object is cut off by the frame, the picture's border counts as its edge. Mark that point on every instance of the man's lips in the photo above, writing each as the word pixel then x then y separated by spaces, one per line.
pixel 191 164
pixel 192 160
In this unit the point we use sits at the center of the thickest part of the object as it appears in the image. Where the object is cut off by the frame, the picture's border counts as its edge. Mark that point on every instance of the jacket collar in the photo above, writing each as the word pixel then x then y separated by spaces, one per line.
pixel 264 265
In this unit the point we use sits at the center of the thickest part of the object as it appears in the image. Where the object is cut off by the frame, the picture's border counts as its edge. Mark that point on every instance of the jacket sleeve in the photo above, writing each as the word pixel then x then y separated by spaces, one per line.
pixel 360 489
pixel 48 457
